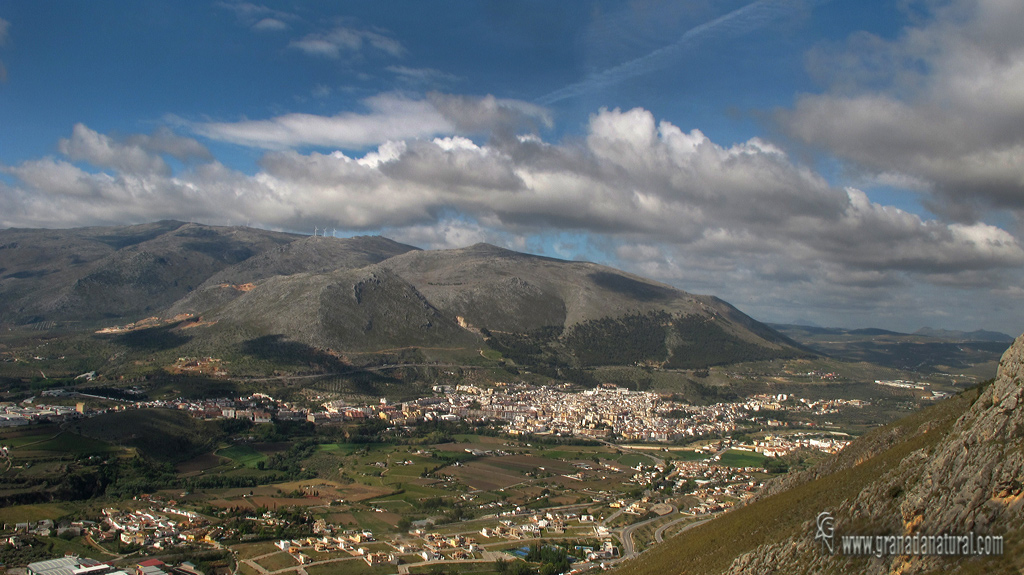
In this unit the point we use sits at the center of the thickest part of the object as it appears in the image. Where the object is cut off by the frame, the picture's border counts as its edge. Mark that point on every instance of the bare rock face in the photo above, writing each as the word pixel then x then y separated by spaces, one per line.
pixel 970 481
pixel 974 479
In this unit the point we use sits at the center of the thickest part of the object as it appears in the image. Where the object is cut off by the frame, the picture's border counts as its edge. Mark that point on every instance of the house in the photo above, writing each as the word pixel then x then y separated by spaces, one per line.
pixel 379 559
pixel 150 567
pixel 428 555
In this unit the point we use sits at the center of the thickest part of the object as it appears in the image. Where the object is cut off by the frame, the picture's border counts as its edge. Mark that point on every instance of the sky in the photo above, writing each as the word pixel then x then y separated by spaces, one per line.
pixel 837 163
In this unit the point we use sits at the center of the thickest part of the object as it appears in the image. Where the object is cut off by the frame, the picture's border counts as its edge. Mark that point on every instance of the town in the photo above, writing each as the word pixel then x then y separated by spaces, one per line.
pixel 645 467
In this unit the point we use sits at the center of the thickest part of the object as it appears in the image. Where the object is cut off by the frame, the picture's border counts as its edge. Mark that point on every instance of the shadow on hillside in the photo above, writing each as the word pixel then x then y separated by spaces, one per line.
pixel 152 339
pixel 223 250
pixel 630 287
pixel 277 349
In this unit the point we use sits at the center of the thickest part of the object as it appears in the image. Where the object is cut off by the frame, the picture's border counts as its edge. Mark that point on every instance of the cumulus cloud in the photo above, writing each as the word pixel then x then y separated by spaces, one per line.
pixel 474 115
pixel 137 154
pixel 447 233
pixel 743 221
pixel 940 107
pixel 164 141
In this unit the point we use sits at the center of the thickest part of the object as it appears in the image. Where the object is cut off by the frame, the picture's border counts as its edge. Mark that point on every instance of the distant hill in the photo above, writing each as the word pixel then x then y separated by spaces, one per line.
pixel 924 332
pixel 977 335
pixel 241 292
pixel 954 468
pixel 925 351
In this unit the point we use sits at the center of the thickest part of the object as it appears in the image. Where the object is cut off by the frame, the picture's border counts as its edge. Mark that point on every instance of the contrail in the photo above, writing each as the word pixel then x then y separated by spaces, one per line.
pixel 739 21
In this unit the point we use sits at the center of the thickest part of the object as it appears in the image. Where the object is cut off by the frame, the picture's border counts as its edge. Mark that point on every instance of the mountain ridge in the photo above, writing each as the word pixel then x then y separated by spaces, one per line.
pixel 360 294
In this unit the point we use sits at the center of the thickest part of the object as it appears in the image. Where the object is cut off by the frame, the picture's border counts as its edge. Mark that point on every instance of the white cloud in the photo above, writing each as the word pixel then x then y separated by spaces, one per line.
pixel 343 39
pixel 445 234
pixel 258 17
pixel 101 151
pixel 60 179
pixel 941 106
pixel 270 25
pixel 164 141
pixel 742 221
pixel 138 154
pixel 390 117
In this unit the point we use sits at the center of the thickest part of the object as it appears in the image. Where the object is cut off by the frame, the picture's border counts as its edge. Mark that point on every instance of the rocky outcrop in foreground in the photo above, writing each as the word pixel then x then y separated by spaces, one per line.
pixel 969 481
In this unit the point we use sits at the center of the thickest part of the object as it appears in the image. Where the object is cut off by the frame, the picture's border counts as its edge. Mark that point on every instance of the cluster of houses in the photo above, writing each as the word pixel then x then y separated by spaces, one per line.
pixel 431 546
pixel 718 487
pixel 777 446
pixel 15 533
pixel 161 529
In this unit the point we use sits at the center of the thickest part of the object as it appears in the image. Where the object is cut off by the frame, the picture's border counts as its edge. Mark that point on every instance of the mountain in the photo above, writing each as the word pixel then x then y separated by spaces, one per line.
pixel 926 351
pixel 194 290
pixel 954 468
pixel 87 276
pixel 977 335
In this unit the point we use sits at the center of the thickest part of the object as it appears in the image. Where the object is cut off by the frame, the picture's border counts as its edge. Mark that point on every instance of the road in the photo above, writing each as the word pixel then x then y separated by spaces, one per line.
pixel 660 533
pixel 626 535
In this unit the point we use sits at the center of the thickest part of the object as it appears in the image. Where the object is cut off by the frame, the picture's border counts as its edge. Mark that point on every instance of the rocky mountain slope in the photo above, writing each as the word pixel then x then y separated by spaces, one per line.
pixel 956 468
pixel 215 291
pixel 91 276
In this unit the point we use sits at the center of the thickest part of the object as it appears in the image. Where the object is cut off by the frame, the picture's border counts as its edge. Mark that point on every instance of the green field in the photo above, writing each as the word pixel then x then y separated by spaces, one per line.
pixel 734 458
pixel 242 455
pixel 349 448
pixel 353 566
pixel 75 546
pixel 280 560
pixel 18 440
pixel 249 550
pixel 486 568
pixel 491 354
pixel 72 443
pixel 632 459
pixel 25 513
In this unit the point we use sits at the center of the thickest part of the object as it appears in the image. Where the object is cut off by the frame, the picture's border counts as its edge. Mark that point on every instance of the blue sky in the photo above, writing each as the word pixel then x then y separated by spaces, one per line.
pixel 842 163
